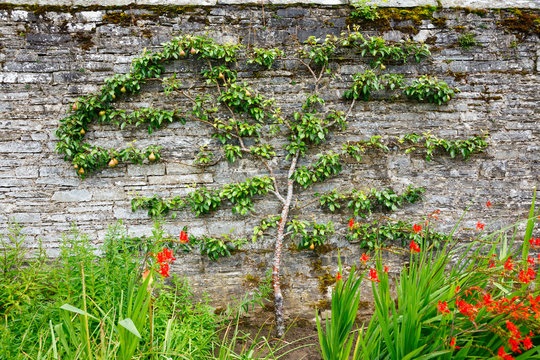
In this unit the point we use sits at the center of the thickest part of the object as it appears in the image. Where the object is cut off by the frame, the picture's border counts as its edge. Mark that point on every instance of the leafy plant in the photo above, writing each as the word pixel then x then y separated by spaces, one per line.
pixel 265 57
pixel 460 301
pixel 430 89
pixel 365 9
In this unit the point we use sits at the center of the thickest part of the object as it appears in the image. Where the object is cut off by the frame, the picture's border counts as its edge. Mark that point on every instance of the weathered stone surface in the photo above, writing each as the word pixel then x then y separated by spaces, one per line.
pixel 72 196
pixel 46 63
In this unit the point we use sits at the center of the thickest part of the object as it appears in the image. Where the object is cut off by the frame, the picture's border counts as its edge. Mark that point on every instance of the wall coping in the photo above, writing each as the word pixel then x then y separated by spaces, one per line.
pixel 478 4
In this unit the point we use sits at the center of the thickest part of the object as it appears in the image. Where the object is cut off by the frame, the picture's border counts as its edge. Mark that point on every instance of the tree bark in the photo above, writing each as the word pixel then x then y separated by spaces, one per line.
pixel 278 296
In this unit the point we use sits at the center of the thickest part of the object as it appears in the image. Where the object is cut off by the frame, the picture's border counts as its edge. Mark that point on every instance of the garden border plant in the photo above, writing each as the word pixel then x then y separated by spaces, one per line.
pixel 478 299
pixel 238 116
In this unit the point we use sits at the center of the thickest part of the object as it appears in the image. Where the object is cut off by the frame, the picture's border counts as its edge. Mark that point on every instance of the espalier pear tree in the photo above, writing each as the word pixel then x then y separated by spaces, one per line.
pixel 247 124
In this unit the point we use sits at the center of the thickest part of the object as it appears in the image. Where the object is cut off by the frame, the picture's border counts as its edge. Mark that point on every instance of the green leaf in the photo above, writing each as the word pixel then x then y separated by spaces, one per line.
pixel 128 324
pixel 72 308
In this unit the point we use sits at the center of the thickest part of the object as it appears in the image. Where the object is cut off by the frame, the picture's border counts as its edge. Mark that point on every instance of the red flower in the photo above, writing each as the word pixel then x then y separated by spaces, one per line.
pixel 417 228
pixel 443 307
pixel 373 276
pixel 503 355
pixel 488 204
pixel 530 261
pixel 164 269
pixel 480 226
pixel 514 345
pixel 364 258
pixel 351 223
pixel 453 344
pixel 457 289
pixel 513 329
pixel 509 265
pixel 414 247
pixel 466 309
pixel 523 277
pixel 487 299
pixel 184 237
pixel 527 343
pixel 164 258
pixel 386 269
pixel 338 276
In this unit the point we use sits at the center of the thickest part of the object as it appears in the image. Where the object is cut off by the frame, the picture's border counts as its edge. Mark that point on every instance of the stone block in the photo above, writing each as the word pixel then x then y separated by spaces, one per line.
pixel 72 196
pixel 145 170
pixel 180 179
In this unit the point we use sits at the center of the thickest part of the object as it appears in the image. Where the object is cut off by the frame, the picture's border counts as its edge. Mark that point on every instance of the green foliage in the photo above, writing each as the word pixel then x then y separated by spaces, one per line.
pixel 364 9
pixel 215 248
pixel 88 158
pixel 265 224
pixel 363 204
pixel 363 85
pixel 430 89
pixel 265 57
pixel 318 51
pixel 326 166
pixel 311 234
pixel 21 282
pixel 242 99
pixel 336 340
pixel 430 143
pixel 356 149
pixel 467 41
pixel 456 302
pixel 203 157
pixel 203 200
pixel 381 233
pixel 42 328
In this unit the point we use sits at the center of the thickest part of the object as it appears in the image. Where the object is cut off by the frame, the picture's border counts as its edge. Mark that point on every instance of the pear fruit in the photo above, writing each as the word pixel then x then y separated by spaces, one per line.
pixel 152 157
pixel 81 171
pixel 82 132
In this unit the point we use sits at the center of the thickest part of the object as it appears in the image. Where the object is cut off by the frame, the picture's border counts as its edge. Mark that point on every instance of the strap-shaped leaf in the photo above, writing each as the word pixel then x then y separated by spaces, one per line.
pixel 130 326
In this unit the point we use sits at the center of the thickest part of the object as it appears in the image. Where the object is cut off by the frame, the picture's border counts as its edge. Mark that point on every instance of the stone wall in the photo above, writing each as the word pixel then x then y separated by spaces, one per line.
pixel 51 55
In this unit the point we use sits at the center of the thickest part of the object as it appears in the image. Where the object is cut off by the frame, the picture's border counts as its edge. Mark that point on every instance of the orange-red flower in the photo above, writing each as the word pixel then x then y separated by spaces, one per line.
pixel 414 247
pixel 338 276
pixel 503 355
pixel 184 237
pixel 386 269
pixel 364 258
pixel 480 226
pixel 373 276
pixel 164 269
pixel 164 258
pixel 527 343
pixel 453 344
pixel 488 204
pixel 351 223
pixel 509 265
pixel 417 228
pixel 443 307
